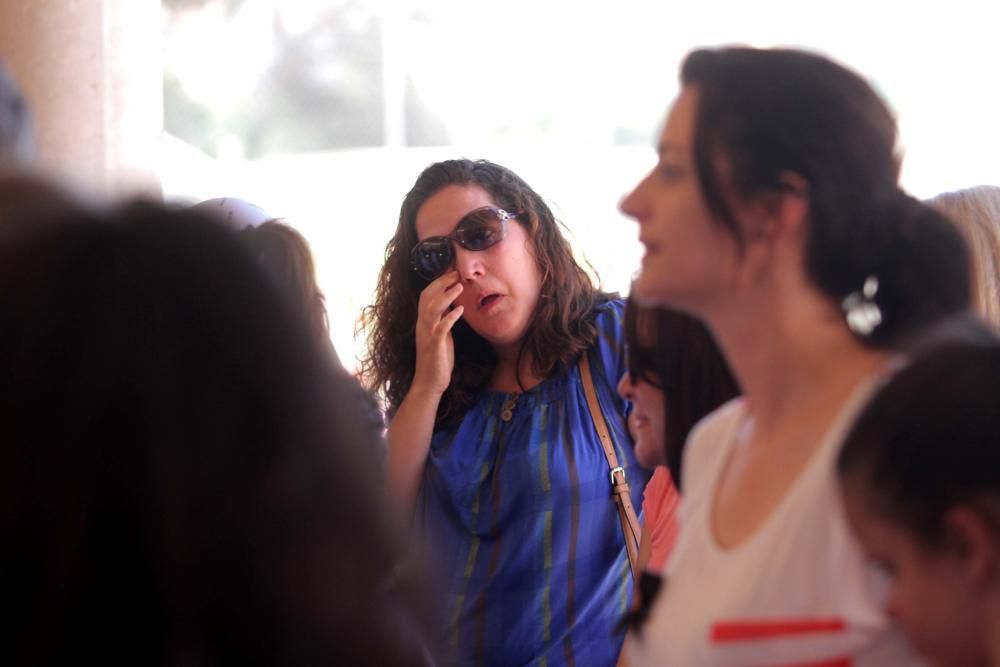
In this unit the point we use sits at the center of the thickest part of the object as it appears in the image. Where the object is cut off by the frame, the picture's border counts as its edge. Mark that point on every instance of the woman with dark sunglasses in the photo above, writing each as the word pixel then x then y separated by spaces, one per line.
pixel 480 320
pixel 775 216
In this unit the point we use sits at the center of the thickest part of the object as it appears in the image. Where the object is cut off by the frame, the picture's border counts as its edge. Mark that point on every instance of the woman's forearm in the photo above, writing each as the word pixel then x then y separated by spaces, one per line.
pixel 409 438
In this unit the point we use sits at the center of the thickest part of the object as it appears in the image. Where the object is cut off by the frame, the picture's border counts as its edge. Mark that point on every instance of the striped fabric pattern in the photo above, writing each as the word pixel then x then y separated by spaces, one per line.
pixel 519 518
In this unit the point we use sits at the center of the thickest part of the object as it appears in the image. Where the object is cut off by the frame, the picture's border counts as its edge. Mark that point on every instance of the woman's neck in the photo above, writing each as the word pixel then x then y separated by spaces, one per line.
pixel 506 375
pixel 791 354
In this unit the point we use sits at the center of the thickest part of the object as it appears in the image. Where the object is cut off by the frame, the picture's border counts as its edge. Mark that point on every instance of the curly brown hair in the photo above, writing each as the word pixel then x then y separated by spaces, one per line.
pixel 561 327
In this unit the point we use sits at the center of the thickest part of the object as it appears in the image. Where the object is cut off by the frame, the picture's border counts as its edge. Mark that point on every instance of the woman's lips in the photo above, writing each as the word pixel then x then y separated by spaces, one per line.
pixel 488 301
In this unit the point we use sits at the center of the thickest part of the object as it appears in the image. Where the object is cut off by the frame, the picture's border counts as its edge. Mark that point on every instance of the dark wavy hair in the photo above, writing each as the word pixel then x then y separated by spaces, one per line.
pixel 677 354
pixel 768 112
pixel 561 327
pixel 185 476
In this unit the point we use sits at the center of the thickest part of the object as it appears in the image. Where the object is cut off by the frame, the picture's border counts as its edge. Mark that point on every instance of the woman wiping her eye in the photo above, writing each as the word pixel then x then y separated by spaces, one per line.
pixel 479 335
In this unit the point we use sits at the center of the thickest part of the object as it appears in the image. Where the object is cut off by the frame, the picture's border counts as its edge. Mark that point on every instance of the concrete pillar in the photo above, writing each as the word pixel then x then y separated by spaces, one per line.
pixel 92 75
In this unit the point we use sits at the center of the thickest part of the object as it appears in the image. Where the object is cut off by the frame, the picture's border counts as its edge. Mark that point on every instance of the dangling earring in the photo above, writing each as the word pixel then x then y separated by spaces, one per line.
pixel 860 309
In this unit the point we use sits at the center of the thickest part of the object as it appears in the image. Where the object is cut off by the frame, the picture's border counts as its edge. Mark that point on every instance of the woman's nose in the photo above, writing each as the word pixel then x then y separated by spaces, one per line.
pixel 468 263
pixel 625 388
pixel 629 203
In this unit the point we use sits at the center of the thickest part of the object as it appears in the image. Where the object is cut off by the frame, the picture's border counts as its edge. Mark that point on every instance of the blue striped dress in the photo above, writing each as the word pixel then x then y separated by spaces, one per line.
pixel 519 519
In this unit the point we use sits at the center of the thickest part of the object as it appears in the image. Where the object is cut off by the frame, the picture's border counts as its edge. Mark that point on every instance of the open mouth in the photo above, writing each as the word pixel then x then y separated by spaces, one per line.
pixel 488 300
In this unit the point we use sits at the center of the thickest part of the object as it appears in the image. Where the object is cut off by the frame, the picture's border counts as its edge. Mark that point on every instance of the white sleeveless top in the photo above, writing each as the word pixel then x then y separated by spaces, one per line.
pixel 797 593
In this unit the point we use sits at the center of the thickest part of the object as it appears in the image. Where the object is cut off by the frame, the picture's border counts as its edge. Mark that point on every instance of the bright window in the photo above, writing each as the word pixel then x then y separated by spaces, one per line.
pixel 324 111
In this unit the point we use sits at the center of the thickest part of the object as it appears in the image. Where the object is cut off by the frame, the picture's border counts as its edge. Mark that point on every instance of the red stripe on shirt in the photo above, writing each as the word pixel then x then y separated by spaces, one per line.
pixel 736 631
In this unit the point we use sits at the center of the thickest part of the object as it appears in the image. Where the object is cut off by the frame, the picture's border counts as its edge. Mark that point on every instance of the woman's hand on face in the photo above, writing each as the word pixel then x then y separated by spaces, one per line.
pixel 436 315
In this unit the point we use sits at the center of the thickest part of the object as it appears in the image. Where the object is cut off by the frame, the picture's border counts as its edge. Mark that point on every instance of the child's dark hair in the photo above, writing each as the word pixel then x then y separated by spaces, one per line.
pixel 677 353
pixel 930 439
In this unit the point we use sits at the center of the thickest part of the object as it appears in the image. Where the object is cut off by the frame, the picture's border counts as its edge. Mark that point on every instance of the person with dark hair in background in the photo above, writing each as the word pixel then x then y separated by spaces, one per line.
pixel 676 375
pixel 287 260
pixel 774 215
pixel 920 476
pixel 673 357
pixel 17 135
pixel 184 477
pixel 285 255
pixel 480 335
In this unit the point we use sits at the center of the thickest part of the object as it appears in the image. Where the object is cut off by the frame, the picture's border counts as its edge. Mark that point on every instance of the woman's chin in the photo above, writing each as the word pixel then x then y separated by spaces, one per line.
pixel 648 291
pixel 646 455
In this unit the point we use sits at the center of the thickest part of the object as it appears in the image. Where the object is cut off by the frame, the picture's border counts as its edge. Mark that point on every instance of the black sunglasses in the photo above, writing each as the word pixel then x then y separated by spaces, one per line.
pixel 478 230
pixel 639 362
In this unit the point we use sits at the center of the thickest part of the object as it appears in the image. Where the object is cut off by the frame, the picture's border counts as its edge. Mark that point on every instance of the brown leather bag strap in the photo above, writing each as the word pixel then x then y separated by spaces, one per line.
pixel 619 486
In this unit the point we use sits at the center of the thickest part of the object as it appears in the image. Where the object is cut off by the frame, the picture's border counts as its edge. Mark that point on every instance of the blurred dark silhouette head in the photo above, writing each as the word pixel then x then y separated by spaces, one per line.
pixel 184 477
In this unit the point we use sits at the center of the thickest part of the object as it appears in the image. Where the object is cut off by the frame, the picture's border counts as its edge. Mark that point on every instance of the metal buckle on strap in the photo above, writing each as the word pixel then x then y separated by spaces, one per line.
pixel 613 471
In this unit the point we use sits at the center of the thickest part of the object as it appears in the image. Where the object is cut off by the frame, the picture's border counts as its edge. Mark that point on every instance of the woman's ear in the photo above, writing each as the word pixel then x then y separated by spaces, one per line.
pixel 780 212
pixel 974 541
pixel 791 202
